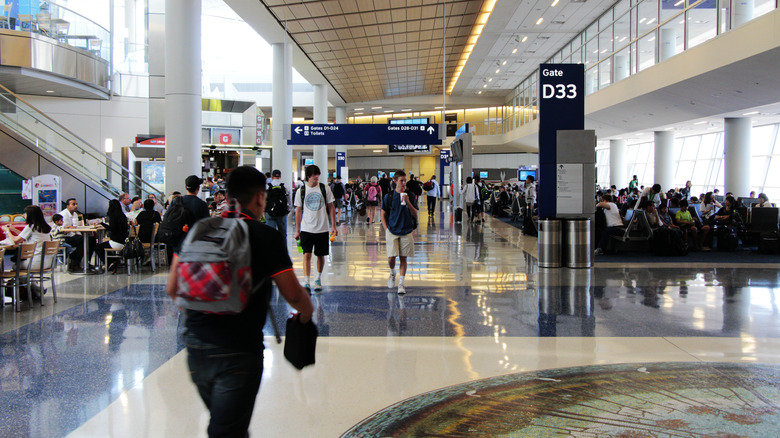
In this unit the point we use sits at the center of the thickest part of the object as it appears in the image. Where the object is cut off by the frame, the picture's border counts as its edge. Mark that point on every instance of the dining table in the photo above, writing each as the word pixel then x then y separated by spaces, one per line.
pixel 86 229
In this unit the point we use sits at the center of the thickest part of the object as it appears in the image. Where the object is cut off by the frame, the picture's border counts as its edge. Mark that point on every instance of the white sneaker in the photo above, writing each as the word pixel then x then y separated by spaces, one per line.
pixel 401 289
pixel 599 251
pixel 391 281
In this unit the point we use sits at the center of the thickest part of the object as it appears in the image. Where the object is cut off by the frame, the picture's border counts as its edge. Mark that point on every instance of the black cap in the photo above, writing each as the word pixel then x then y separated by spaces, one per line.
pixel 193 181
pixel 276 172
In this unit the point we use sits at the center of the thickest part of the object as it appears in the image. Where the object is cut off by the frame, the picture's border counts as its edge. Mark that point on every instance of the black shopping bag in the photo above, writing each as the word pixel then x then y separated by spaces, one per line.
pixel 300 342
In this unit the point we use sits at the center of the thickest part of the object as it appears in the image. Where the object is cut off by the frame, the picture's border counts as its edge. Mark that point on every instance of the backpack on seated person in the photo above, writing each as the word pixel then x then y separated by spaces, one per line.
pixel 214 267
pixel 174 224
pixel 428 186
pixel 276 205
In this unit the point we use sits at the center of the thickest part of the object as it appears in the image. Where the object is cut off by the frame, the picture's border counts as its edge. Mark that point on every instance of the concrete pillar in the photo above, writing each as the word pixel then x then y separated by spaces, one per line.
pixel 341 118
pixel 617 163
pixel 281 111
pixel 321 116
pixel 621 67
pixel 668 46
pixel 737 155
pixel 182 92
pixel 664 166
pixel 155 18
pixel 743 12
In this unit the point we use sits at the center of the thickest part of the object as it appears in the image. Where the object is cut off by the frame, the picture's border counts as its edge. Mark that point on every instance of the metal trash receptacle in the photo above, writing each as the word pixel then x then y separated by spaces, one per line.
pixel 578 249
pixel 550 247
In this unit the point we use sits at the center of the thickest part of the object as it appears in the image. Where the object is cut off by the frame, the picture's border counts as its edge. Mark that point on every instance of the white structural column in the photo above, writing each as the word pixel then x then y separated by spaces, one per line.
pixel 321 116
pixel 737 155
pixel 743 12
pixel 664 160
pixel 668 44
pixel 281 111
pixel 617 163
pixel 341 118
pixel 182 92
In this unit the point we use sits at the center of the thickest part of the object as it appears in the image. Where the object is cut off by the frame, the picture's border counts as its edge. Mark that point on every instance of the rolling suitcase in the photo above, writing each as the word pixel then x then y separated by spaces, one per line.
pixel 458 215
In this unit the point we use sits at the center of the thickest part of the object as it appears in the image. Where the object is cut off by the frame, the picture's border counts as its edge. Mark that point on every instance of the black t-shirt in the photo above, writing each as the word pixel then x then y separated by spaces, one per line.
pixel 146 220
pixel 194 205
pixel 244 332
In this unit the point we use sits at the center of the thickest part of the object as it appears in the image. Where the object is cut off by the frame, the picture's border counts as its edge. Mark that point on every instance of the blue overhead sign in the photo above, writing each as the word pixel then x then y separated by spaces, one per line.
pixel 347 134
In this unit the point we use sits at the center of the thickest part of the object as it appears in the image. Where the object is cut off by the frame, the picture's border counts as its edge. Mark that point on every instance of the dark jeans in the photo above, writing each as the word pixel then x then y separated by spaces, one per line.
pixel 228 382
pixel 609 231
pixel 431 204
pixel 77 242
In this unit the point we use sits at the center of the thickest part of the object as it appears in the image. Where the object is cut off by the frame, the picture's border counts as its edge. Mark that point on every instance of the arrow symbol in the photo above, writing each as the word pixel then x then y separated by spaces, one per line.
pixel 430 130
pixel 298 130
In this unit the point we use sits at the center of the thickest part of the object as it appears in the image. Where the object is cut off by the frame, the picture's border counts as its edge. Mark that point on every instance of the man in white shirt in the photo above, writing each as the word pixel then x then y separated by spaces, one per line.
pixel 76 240
pixel 313 207
pixel 653 195
pixel 614 222
pixel 432 195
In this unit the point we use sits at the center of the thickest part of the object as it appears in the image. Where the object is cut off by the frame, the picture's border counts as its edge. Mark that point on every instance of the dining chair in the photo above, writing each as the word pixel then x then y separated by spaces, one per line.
pixel 45 270
pixel 24 252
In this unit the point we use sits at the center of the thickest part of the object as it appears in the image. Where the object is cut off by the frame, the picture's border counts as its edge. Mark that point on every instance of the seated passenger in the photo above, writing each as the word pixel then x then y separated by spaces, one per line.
pixel 117 231
pixel 666 219
pixel 652 217
pixel 57 232
pixel 727 216
pixel 763 201
pixel 687 224
pixel 146 220
pixel 614 223
pixel 709 206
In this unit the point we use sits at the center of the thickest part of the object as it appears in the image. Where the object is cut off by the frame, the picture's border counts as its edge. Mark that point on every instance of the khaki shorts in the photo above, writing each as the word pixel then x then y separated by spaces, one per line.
pixel 399 245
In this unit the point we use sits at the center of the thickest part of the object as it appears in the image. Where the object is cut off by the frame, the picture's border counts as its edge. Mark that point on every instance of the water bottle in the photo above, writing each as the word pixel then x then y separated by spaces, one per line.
pixel 300 248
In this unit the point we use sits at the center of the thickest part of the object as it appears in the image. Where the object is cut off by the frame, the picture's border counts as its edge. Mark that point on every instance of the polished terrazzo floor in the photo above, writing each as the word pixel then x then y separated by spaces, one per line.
pixel 104 361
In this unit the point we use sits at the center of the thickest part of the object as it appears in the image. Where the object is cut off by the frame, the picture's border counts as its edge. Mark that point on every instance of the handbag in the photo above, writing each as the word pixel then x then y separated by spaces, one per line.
pixel 300 342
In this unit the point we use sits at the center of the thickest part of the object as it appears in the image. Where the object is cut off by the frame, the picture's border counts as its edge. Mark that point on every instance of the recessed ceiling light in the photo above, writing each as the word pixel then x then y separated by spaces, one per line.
pixel 642 20
pixel 388 111
pixel 490 79
pixel 358 109
pixel 525 38
pixel 498 70
pixel 479 92
pixel 50 91
pixel 503 63
pixel 357 114
pixel 407 109
pixel 539 21
pixel 376 107
pixel 514 51
pixel 700 123
pixel 439 107
pixel 484 86
pixel 378 150
pixel 554 3
pixel 750 113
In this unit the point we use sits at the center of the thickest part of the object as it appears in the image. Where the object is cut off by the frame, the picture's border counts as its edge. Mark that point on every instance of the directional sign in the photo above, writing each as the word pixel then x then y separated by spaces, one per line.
pixel 346 134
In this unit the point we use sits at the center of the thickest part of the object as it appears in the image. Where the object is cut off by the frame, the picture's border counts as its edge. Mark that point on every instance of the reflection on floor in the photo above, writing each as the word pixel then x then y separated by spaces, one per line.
pixel 104 360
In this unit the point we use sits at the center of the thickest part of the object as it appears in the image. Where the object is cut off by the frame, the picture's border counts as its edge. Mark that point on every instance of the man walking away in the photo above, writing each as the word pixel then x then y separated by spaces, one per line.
pixel 225 352
pixel 432 192
pixel 278 204
pixel 339 195
pixel 399 212
pixel 313 207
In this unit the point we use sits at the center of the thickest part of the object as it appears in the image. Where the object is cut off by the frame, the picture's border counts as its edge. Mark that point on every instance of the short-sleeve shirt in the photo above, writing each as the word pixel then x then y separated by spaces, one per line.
pixel 399 218
pixel 69 220
pixel 683 216
pixel 315 209
pixel 613 216
pixel 194 205
pixel 30 236
pixel 244 332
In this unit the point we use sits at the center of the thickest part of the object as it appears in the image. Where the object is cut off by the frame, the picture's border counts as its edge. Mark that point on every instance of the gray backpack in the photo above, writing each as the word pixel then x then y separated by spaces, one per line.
pixel 214 272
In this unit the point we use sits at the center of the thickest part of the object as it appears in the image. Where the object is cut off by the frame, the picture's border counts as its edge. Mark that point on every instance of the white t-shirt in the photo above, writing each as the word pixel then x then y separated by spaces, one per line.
pixel 31 236
pixel 315 209
pixel 70 220
pixel 613 216
pixel 470 193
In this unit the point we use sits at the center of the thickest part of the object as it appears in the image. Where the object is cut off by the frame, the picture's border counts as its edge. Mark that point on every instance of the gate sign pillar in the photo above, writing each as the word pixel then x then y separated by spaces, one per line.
pixel 561 107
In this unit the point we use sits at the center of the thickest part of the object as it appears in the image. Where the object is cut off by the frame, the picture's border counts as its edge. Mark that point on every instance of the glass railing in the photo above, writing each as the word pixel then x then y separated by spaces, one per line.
pixel 60 23
pixel 57 141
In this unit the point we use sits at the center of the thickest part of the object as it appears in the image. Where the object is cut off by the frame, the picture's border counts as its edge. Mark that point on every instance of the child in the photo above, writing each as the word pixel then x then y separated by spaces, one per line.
pixel 57 233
